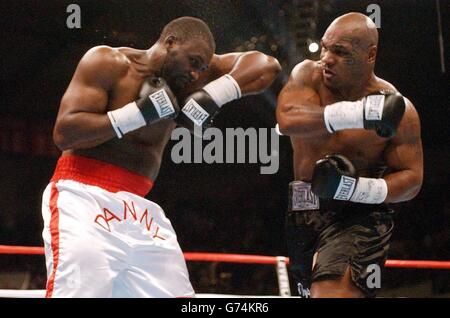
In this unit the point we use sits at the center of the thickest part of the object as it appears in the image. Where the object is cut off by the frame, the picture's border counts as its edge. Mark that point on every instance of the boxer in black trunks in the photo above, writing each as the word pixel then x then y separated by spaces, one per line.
pixel 357 147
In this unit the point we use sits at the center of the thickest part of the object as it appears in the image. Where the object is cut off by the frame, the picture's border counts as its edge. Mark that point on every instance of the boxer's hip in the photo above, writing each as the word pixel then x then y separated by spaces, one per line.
pixel 110 236
pixel 101 174
pixel 104 200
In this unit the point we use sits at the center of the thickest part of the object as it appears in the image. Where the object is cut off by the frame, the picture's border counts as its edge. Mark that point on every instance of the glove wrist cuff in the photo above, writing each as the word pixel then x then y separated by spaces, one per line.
pixel 370 191
pixel 223 90
pixel 362 190
pixel 344 115
pixel 126 119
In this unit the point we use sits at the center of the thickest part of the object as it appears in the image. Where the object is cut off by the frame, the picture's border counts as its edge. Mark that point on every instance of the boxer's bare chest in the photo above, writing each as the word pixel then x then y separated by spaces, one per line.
pixel 141 150
pixel 364 148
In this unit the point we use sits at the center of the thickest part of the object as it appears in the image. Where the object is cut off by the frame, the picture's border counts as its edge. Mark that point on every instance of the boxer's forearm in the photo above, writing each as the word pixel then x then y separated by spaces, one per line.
pixel 301 120
pixel 402 185
pixel 254 72
pixel 82 130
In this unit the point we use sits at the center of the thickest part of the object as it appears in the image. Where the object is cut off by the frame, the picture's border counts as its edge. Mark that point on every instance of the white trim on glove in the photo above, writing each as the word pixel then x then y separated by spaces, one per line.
pixel 223 90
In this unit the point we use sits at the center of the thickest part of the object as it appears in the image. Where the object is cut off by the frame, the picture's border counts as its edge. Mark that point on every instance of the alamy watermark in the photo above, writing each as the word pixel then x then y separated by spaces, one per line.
pixel 73 20
pixel 374 278
pixel 236 146
pixel 374 11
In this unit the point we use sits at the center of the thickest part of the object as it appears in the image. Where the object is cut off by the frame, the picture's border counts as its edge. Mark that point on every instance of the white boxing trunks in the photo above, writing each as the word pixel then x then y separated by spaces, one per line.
pixel 104 239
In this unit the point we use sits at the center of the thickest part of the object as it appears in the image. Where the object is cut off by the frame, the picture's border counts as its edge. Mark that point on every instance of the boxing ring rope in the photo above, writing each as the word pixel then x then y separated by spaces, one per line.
pixel 241 258
pixel 280 262
pixel 272 260
pixel 16 250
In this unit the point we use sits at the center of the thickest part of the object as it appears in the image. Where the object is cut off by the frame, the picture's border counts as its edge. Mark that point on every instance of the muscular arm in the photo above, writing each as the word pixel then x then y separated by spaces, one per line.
pixel 229 77
pixel 82 121
pixel 404 157
pixel 253 71
pixel 298 108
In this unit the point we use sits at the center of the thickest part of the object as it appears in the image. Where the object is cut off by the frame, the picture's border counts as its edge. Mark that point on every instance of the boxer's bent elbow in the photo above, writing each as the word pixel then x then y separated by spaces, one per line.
pixel 266 63
pixel 61 140
pixel 82 130
pixel 284 127
pixel 289 126
pixel 415 187
pixel 65 137
pixel 274 66
pixel 272 69
pixel 407 189
pixel 284 124
pixel 415 183
pixel 262 76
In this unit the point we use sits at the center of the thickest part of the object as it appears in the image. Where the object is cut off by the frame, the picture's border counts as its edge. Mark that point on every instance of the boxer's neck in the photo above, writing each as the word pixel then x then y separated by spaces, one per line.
pixel 154 58
pixel 358 89
pixel 146 62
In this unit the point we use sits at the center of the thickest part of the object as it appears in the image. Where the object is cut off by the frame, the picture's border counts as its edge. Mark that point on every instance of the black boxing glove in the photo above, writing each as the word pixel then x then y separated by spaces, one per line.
pixel 198 113
pixel 202 106
pixel 336 178
pixel 155 102
pixel 381 111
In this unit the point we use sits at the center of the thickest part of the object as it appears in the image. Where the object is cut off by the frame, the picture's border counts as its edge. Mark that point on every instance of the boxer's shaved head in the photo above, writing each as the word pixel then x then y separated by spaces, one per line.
pixel 189 28
pixel 349 49
pixel 357 27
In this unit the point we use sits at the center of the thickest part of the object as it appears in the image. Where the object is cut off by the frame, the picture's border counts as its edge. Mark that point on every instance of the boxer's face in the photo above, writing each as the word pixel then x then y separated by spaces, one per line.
pixel 184 62
pixel 344 59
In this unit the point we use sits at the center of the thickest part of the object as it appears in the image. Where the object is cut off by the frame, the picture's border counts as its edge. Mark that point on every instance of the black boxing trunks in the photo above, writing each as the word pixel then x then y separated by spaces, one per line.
pixel 325 237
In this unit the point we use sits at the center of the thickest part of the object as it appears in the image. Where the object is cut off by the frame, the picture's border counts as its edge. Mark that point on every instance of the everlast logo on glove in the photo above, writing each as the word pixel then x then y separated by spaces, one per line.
pixel 374 107
pixel 302 198
pixel 195 112
pixel 162 103
pixel 345 189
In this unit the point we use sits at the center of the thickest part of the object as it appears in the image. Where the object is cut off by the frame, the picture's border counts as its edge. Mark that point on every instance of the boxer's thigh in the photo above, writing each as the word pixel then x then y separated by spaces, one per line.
pixel 81 260
pixel 355 244
pixel 157 267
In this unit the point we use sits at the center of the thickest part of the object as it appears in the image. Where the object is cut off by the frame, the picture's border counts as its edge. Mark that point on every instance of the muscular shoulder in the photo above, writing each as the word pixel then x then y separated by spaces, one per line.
pixel 409 128
pixel 104 64
pixel 218 60
pixel 306 73
pixel 383 84
pixel 306 67
pixel 223 63
pixel 410 124
pixel 411 114
pixel 105 56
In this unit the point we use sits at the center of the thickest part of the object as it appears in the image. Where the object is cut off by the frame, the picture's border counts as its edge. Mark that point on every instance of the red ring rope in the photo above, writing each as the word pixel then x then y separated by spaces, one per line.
pixel 243 259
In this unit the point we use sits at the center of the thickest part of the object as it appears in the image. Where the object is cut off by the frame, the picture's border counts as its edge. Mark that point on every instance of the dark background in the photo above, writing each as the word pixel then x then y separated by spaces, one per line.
pixel 219 207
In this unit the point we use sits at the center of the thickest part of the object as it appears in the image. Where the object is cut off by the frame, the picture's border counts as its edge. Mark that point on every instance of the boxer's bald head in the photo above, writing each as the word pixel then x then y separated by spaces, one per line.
pixel 349 47
pixel 355 26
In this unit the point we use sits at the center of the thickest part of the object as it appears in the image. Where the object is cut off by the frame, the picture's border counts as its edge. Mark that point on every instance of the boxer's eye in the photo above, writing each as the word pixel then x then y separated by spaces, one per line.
pixel 341 53
pixel 194 62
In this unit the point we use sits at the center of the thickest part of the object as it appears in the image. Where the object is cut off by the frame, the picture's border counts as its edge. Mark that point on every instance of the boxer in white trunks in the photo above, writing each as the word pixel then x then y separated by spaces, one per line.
pixel 102 237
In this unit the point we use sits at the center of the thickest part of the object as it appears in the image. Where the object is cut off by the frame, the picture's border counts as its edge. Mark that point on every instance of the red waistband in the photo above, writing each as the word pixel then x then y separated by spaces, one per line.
pixel 102 174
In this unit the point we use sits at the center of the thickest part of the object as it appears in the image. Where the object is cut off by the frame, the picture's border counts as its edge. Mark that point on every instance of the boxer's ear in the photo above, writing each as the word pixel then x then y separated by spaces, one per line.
pixel 372 54
pixel 170 40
